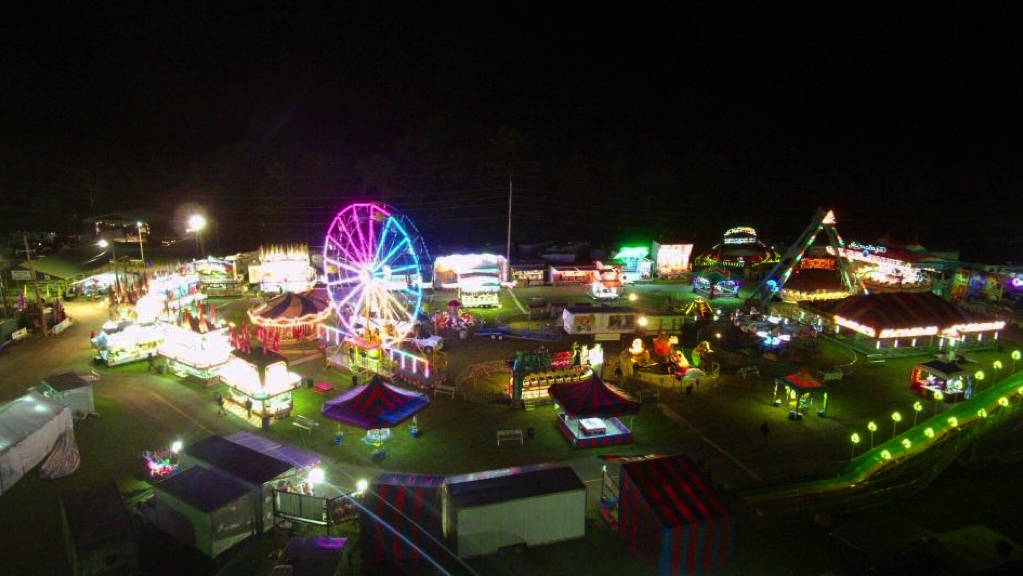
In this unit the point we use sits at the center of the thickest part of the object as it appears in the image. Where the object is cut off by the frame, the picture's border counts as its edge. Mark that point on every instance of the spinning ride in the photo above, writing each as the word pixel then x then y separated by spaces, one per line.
pixel 371 257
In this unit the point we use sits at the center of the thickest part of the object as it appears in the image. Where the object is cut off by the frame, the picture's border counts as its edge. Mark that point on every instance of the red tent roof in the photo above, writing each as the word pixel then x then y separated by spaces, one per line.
pixel 678 493
pixel 375 405
pixel 592 398
pixel 897 310
pixel 804 381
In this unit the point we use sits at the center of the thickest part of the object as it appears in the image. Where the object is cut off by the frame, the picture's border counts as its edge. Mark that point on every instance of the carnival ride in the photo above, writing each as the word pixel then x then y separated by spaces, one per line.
pixel 822 222
pixel 375 285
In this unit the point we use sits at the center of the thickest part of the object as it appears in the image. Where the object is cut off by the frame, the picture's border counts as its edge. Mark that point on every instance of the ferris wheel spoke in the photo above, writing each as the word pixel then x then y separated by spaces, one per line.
pixel 341 250
pixel 362 242
pixel 392 253
pixel 343 266
pixel 383 239
pixel 353 251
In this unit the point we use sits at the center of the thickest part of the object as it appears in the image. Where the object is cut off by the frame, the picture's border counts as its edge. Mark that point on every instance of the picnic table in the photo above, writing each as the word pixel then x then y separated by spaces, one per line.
pixel 323 387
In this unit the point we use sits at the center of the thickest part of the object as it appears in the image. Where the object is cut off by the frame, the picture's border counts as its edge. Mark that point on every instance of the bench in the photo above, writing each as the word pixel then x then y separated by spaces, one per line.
pixel 323 387
pixel 509 435
pixel 648 394
pixel 307 424
pixel 19 334
pixel 748 371
pixel 444 389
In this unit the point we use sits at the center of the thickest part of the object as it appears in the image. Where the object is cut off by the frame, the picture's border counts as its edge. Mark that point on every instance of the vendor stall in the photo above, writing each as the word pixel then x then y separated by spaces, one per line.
pixel 129 344
pixel 671 260
pixel 634 263
pixel 260 378
pixel 218 277
pixel 799 392
pixel 590 412
pixel 196 347
pixel 938 378
pixel 71 390
pixel 450 272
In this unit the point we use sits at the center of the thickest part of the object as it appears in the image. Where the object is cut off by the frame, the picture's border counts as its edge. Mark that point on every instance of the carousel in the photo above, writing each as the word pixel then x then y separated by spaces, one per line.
pixel 740 249
pixel 293 316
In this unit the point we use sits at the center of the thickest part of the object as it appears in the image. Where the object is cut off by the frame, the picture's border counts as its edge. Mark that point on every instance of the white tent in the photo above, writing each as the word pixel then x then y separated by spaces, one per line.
pixel 29 428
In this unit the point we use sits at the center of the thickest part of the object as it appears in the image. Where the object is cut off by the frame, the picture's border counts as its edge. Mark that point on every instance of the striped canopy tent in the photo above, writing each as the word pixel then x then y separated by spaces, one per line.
pixel 375 406
pixel 670 512
pixel 290 311
pixel 897 311
pixel 593 397
pixel 717 274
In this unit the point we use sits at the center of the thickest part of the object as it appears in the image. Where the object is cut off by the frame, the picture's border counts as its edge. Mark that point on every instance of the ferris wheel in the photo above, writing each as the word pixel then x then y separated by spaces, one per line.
pixel 371 259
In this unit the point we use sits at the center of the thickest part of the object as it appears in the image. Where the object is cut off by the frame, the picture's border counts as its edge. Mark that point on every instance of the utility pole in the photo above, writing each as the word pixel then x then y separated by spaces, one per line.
pixel 507 256
pixel 35 281
pixel 3 293
pixel 142 253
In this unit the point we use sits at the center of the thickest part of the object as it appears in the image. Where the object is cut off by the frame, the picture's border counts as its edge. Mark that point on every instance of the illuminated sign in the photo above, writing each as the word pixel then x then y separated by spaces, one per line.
pixel 743 233
pixel 867 330
pixel 868 248
pixel 818 263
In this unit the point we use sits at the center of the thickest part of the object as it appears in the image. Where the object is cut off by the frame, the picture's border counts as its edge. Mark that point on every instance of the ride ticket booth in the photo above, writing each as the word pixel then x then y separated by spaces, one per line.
pixel 800 393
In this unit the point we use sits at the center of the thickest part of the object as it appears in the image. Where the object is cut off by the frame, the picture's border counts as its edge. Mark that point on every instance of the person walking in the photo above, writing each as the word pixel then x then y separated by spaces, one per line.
pixel 220 403
pixel 355 380
pixel 152 362
pixel 248 406
pixel 764 430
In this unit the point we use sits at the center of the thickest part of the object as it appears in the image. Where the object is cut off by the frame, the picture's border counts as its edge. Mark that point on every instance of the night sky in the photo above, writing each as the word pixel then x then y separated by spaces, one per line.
pixel 616 125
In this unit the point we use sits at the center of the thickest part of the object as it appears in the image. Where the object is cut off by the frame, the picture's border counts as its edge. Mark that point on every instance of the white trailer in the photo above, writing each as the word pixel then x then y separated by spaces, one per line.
pixel 533 506
pixel 593 320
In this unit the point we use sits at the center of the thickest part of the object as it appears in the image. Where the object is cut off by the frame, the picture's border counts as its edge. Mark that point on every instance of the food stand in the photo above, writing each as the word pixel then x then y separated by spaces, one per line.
pixel 799 392
pixel 127 343
pixel 262 377
pixel 195 348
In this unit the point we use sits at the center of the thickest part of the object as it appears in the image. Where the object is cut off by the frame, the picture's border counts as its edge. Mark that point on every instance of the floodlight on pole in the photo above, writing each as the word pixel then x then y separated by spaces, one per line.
pixel 873 428
pixel 917 407
pixel 317 476
pixel 896 418
pixel 361 486
pixel 1015 356
pixel 855 440
pixel 142 253
pixel 103 243
pixel 938 396
pixel 176 446
pixel 196 223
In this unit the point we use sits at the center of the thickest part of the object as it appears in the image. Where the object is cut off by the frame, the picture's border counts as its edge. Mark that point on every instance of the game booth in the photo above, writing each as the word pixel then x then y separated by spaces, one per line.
pixel 938 378
pixel 634 263
pixel 261 377
pixel 671 260
pixel 590 412
pixel 670 514
pixel 451 272
pixel 283 268
pixel 293 316
pixel 533 372
pixel 479 291
pixel 197 347
pixel 376 407
pixel 218 277
pixel 799 393
pixel 608 283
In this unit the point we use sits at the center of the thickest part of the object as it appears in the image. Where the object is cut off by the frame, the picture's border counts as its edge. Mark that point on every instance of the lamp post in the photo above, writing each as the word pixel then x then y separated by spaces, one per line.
pixel 855 440
pixel 103 243
pixel 873 428
pixel 937 398
pixel 142 253
pixel 980 378
pixel 196 222
pixel 896 418
pixel 1015 357
pixel 997 365
pixel 917 407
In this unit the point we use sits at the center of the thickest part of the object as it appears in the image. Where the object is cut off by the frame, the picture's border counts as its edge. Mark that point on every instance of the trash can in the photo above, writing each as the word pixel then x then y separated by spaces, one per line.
pixel 308 382
pixel 531 433
pixel 266 422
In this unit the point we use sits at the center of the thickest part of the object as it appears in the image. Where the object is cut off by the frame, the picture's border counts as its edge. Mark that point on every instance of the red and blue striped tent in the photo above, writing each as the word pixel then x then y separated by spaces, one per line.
pixel 593 397
pixel 375 405
pixel 401 522
pixel 668 511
